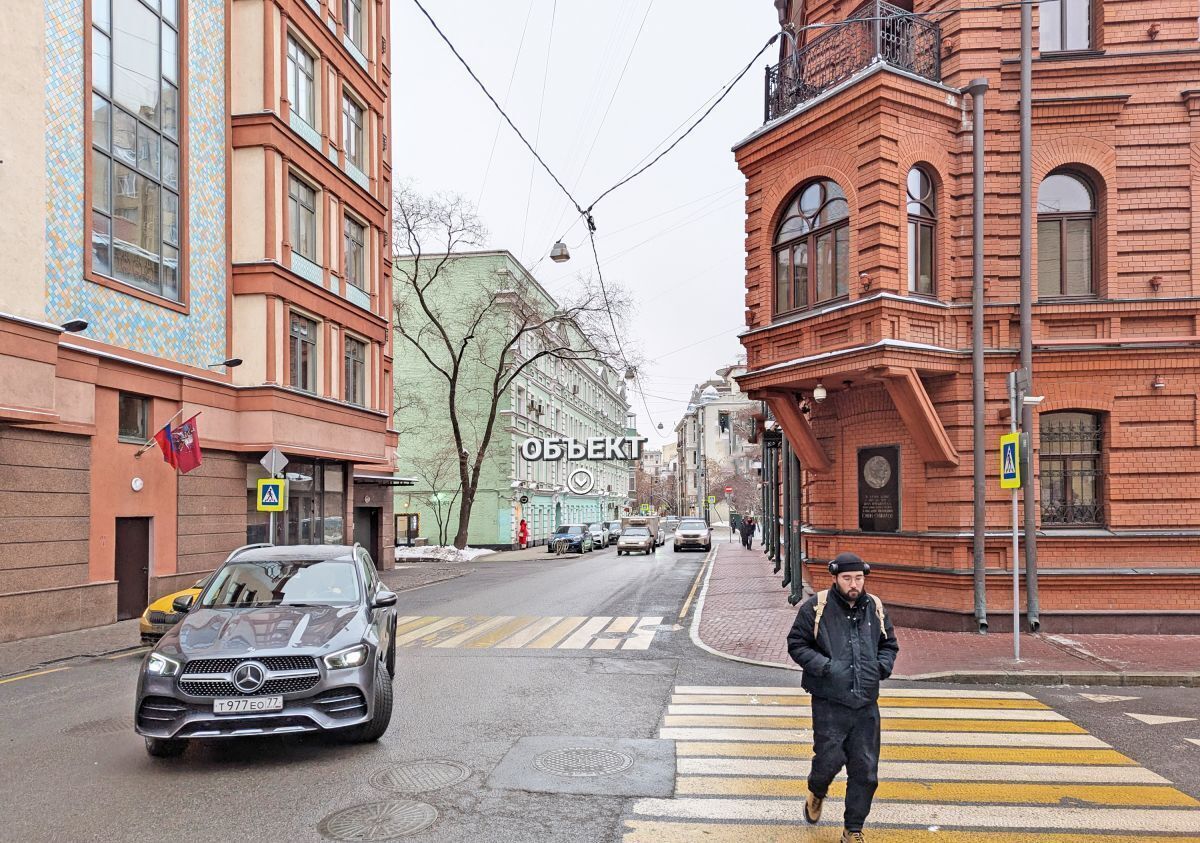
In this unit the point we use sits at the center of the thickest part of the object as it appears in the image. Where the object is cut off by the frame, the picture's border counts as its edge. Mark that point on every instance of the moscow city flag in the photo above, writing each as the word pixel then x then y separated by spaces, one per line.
pixel 185 442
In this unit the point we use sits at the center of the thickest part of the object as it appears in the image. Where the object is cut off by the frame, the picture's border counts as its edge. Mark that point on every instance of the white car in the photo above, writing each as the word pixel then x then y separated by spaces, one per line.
pixel 614 531
pixel 599 534
pixel 692 532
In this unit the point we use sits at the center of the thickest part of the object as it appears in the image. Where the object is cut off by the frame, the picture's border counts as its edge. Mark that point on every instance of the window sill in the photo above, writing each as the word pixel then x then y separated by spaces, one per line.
pixel 139 293
pixel 133 440
pixel 1068 55
pixel 811 311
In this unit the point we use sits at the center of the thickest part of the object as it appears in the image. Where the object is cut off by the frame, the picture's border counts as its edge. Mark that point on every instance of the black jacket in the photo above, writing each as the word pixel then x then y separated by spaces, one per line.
pixel 850 656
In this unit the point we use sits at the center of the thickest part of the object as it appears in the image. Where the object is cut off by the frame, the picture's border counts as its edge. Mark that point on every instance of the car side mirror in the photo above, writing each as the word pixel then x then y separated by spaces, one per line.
pixel 182 603
pixel 383 598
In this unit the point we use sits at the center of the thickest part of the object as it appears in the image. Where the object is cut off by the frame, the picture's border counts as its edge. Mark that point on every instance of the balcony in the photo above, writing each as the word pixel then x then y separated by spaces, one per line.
pixel 875 32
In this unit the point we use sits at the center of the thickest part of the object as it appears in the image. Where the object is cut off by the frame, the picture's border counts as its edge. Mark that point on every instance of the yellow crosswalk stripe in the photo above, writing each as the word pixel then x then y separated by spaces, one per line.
pixel 506 632
pixel 894 724
pixel 619 625
pixel 972 766
pixel 501 632
pixel 646 831
pixel 557 633
pixel 423 629
pixel 768 700
pixel 892 752
pixel 1025 794
pixel 472 631
pixel 527 634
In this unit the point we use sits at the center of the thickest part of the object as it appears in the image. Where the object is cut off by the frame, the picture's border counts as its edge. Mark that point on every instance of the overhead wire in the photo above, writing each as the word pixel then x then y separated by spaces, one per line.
pixel 507 92
pixel 537 137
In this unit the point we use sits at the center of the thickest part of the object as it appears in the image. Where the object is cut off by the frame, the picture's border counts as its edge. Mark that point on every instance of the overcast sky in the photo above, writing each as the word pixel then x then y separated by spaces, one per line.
pixel 673 237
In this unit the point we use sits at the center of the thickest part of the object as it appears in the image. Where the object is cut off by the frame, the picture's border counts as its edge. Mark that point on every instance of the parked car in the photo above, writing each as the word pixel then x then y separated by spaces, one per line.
pixel 599 533
pixel 635 538
pixel 614 531
pixel 660 536
pixel 281 640
pixel 159 617
pixel 574 537
pixel 693 532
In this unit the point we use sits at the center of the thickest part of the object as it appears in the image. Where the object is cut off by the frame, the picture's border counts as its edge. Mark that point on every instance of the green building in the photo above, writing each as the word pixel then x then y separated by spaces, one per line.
pixel 485 296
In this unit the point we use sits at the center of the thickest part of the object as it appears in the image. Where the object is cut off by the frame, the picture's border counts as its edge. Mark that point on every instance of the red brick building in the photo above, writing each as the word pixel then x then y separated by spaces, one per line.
pixel 859 279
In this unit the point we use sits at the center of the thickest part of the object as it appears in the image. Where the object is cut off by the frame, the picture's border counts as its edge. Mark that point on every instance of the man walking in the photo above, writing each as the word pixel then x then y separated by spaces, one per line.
pixel 844 640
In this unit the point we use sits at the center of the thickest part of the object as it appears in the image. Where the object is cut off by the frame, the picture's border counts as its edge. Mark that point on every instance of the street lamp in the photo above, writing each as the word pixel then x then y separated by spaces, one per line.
pixel 819 393
pixel 74 326
pixel 560 253
pixel 231 363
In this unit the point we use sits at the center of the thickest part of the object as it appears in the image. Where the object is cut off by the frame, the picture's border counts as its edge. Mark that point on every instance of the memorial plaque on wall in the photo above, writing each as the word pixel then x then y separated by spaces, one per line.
pixel 879 489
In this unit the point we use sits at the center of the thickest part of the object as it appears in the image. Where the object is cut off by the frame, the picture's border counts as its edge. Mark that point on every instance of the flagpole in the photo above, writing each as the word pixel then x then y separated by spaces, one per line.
pixel 151 443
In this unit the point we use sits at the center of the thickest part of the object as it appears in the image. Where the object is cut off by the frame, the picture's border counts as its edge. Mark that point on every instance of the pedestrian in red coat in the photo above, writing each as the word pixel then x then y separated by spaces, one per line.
pixel 523 534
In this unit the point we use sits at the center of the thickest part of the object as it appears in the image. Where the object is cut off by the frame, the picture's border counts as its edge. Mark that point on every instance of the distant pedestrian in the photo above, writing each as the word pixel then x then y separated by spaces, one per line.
pixel 844 640
pixel 523 534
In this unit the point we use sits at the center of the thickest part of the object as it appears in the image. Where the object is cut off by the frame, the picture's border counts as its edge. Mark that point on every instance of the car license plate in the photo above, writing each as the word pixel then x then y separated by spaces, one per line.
pixel 247 705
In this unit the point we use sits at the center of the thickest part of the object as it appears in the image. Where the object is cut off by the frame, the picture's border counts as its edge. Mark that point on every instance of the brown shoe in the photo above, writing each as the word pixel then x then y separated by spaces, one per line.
pixel 853 837
pixel 812 808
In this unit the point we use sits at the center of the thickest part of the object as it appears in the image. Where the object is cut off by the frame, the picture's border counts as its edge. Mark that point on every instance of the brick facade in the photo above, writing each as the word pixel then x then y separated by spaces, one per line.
pixel 897 366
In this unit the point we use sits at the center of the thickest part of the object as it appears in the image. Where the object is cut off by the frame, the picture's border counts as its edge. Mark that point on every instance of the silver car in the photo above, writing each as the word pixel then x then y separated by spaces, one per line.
pixel 282 639
pixel 635 538
pixel 692 532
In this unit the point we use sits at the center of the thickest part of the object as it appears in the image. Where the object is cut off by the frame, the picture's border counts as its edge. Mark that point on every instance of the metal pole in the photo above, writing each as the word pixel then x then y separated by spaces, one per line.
pixel 785 537
pixel 977 89
pixel 1013 404
pixel 1030 523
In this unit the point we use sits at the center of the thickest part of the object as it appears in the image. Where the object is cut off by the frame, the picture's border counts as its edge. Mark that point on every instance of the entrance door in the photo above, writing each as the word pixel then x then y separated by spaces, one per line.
pixel 366 530
pixel 133 566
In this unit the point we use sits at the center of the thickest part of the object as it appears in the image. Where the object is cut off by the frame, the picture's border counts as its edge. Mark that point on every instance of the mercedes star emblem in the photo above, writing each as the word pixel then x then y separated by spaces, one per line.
pixel 248 677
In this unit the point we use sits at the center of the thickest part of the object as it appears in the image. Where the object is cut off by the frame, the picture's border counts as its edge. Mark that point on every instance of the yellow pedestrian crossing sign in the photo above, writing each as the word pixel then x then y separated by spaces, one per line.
pixel 272 495
pixel 1010 461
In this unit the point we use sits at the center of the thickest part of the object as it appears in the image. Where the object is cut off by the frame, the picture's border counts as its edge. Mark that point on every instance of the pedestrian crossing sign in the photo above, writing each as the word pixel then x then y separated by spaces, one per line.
pixel 1010 461
pixel 272 495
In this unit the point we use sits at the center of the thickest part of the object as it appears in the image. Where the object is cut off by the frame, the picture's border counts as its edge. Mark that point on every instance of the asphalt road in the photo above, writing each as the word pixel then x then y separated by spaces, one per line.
pixel 500 671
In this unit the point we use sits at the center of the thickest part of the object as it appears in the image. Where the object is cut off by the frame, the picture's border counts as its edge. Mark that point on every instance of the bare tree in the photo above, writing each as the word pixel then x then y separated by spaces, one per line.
pixel 438 472
pixel 736 475
pixel 477 335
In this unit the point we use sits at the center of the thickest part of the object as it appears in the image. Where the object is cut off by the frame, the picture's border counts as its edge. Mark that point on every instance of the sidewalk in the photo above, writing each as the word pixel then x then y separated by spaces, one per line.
pixel 744 614
pixel 33 653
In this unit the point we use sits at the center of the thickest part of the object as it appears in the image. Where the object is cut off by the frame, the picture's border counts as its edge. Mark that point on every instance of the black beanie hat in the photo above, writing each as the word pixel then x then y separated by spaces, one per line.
pixel 848 562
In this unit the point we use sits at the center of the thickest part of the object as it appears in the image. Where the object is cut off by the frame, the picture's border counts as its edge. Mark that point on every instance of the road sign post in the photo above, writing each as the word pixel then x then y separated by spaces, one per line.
pixel 1010 450
pixel 274 462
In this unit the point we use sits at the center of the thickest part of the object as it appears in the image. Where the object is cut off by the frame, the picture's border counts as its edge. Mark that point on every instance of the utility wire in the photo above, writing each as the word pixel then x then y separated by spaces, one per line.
pixel 507 91
pixel 537 138
pixel 503 114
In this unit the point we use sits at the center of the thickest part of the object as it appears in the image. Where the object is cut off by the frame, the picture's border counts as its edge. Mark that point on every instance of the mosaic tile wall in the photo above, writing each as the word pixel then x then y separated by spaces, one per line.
pixel 198 338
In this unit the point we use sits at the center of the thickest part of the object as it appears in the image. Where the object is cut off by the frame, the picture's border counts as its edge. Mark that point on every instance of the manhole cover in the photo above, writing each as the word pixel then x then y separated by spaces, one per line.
pixel 419 776
pixel 379 820
pixel 613 636
pixel 583 762
pixel 109 726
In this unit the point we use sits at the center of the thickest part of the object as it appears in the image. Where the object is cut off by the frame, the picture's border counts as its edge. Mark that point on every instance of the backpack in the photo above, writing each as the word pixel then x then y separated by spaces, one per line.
pixel 823 598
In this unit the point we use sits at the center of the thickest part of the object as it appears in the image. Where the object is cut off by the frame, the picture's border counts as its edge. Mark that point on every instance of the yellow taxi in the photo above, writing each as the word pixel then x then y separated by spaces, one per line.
pixel 159 616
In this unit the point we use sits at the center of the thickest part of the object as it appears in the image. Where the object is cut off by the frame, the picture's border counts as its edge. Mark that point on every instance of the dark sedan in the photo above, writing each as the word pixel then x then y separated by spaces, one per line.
pixel 572 537
pixel 282 639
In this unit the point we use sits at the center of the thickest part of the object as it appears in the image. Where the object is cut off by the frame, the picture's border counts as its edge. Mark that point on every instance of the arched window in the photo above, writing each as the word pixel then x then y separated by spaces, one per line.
pixel 1070 462
pixel 812 248
pixel 1066 222
pixel 922 223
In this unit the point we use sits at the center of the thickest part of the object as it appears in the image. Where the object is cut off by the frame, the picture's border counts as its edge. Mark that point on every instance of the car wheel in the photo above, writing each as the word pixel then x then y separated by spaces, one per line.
pixel 165 748
pixel 381 714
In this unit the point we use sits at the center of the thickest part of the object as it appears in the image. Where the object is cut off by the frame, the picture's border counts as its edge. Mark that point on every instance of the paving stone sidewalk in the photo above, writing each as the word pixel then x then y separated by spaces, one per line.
pixel 745 614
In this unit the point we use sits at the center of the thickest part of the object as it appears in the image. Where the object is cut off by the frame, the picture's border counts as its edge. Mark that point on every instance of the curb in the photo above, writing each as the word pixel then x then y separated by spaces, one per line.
pixel 971 677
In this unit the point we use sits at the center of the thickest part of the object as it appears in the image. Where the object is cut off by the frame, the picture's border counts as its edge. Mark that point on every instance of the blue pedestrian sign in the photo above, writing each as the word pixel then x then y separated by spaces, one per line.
pixel 272 495
pixel 1010 461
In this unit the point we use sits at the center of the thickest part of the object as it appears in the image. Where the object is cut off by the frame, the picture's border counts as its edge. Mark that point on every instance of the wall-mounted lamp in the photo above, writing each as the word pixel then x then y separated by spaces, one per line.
pixel 231 363
pixel 819 393
pixel 865 279
pixel 1155 282
pixel 1158 383
pixel 560 253
pixel 1153 31
pixel 74 326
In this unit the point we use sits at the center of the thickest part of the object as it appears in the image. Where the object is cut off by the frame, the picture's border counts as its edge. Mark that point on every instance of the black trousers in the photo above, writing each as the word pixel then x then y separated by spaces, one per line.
pixel 846 737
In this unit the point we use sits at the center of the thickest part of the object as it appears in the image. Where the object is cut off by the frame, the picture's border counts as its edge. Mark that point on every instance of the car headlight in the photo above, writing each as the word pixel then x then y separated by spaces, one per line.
pixel 349 657
pixel 160 665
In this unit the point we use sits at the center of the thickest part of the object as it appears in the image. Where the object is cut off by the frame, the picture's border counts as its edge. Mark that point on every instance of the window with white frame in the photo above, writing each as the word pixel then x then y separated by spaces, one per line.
pixel 301 82
pixel 354 235
pixel 356 372
pixel 352 131
pixel 302 207
pixel 135 143
pixel 302 363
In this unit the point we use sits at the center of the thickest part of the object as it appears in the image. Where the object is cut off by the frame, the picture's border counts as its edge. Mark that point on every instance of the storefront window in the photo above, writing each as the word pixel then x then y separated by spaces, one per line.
pixel 315 511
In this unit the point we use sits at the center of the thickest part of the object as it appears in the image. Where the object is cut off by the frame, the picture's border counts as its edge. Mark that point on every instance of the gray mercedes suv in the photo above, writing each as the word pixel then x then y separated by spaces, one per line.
pixel 282 639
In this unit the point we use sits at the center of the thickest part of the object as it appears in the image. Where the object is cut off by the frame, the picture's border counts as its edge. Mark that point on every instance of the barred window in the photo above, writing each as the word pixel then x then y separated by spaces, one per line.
pixel 1072 469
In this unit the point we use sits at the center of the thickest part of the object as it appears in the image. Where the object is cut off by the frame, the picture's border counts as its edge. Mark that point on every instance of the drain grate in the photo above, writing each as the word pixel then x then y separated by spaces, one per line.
pixel 419 776
pixel 379 820
pixel 91 728
pixel 581 761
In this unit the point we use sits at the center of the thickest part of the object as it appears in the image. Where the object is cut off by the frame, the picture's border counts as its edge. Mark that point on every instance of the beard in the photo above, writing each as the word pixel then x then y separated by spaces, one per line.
pixel 852 594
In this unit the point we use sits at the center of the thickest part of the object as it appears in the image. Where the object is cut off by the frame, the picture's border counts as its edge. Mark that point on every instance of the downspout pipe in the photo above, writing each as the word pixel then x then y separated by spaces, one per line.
pixel 977 89
pixel 1030 490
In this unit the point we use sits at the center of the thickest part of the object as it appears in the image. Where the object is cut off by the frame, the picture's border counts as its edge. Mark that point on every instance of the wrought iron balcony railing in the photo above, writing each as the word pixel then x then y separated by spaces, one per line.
pixel 876 32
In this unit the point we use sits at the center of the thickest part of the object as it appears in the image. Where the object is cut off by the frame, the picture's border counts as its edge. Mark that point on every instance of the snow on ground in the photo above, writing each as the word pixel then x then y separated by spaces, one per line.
pixel 438 553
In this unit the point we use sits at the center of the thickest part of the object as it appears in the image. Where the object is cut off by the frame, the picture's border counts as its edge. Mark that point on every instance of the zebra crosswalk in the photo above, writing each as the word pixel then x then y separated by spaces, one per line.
pixel 527 632
pixel 970 766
